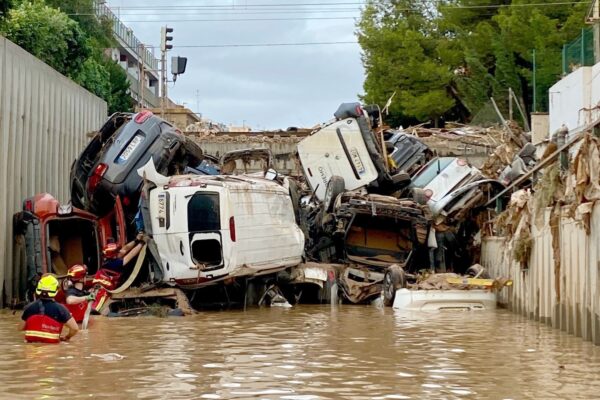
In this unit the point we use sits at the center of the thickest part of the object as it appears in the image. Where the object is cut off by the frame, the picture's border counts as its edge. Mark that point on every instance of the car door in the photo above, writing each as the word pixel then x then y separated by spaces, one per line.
pixel 111 227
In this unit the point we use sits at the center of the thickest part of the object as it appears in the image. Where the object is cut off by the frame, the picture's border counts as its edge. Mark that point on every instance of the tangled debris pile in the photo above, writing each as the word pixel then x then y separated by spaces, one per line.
pixel 566 185
pixel 372 209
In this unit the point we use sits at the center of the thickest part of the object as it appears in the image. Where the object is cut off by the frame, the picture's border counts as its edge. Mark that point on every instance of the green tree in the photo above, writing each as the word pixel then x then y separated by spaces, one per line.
pixel 119 98
pixel 472 49
pixel 401 54
pixel 5 5
pixel 49 35
pixel 73 46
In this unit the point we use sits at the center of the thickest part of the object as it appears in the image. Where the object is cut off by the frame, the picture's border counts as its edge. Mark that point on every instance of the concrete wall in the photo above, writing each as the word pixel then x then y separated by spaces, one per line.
pixel 569 98
pixel 567 298
pixel 539 127
pixel 282 148
pixel 44 118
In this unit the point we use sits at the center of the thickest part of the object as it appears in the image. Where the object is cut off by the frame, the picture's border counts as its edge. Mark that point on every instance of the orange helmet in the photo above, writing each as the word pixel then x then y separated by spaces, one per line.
pixel 77 272
pixel 111 250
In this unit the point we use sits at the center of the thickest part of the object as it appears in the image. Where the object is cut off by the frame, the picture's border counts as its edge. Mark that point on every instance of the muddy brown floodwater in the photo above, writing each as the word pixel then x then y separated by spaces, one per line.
pixel 308 352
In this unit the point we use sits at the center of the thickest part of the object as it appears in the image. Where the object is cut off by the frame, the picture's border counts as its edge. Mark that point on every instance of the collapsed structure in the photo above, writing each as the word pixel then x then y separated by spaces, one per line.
pixel 373 209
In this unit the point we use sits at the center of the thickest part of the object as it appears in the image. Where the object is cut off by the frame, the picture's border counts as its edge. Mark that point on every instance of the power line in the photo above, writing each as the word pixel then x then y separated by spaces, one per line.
pixel 205 46
pixel 267 44
pixel 285 6
pixel 232 7
pixel 237 19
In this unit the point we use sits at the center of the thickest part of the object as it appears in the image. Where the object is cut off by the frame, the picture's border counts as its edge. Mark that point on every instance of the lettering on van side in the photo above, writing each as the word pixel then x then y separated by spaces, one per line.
pixel 323 175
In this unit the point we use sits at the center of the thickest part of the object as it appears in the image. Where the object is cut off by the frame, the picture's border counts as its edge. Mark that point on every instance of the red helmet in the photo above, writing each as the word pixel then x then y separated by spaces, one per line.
pixel 77 272
pixel 111 250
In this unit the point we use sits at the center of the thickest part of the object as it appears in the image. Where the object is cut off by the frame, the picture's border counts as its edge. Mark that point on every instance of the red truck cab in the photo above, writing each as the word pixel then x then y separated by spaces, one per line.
pixel 55 237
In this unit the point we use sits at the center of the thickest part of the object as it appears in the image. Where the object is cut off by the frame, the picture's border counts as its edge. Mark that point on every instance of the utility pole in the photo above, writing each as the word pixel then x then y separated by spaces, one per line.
pixel 534 84
pixel 510 106
pixel 164 47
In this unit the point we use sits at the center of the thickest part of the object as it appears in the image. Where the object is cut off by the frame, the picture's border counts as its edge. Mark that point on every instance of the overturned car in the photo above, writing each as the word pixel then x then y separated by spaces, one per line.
pixel 107 166
pixel 367 233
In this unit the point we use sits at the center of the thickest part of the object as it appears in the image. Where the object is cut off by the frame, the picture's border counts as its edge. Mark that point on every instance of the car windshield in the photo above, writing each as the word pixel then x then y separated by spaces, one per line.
pixel 203 212
pixel 431 171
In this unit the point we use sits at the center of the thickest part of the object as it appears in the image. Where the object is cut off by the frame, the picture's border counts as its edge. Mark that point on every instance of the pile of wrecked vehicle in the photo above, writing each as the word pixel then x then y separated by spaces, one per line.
pixel 376 215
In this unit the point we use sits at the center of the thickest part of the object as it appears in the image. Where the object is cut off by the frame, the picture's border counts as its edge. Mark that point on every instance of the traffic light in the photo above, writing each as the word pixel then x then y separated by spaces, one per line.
pixel 178 65
pixel 165 38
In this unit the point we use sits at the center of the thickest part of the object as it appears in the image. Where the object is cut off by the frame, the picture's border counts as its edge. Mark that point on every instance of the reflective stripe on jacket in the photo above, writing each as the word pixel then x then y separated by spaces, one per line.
pixel 42 328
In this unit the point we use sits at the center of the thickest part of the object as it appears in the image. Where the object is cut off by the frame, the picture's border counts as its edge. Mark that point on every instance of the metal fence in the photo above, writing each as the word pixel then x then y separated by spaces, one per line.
pixel 44 118
pixel 565 295
pixel 579 53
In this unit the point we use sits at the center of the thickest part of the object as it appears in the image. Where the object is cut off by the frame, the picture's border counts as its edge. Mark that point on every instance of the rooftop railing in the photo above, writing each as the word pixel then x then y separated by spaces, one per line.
pixel 126 35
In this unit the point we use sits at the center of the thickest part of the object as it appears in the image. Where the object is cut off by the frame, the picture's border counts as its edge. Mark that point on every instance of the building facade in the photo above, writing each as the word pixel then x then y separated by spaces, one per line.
pixel 136 59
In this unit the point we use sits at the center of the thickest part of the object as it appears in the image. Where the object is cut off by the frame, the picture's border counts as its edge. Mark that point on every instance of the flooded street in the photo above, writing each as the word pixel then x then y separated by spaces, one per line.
pixel 308 352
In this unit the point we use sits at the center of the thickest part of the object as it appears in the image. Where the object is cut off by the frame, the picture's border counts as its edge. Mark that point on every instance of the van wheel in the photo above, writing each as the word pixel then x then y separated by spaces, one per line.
pixel 335 187
pixel 394 279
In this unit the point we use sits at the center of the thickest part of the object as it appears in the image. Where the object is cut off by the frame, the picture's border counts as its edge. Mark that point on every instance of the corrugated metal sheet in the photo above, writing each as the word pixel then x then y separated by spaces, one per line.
pixel 44 118
pixel 574 306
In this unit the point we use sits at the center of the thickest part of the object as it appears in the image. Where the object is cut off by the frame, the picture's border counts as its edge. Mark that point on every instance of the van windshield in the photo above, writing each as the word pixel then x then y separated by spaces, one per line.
pixel 203 212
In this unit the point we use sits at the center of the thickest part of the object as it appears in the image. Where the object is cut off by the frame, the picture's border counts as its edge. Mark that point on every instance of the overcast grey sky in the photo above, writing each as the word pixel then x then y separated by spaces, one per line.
pixel 264 87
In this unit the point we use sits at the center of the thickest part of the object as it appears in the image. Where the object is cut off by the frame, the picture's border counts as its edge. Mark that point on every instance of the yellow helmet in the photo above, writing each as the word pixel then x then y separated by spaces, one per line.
pixel 48 284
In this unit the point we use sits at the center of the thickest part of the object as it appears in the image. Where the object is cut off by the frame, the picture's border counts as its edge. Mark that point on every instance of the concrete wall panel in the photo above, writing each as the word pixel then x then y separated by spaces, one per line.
pixel 44 118
pixel 574 305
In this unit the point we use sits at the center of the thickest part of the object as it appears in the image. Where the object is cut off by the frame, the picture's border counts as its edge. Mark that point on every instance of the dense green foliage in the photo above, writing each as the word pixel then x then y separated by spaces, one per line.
pixel 446 58
pixel 68 37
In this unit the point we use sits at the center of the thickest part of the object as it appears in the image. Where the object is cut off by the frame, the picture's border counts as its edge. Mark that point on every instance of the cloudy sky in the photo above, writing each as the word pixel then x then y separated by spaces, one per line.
pixel 265 87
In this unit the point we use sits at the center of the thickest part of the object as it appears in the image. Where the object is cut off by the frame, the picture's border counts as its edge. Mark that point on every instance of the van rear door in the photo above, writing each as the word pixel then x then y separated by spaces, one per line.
pixel 204 227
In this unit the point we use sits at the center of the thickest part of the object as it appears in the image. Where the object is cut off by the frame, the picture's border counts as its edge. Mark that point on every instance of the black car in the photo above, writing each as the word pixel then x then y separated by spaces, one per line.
pixel 407 152
pixel 108 165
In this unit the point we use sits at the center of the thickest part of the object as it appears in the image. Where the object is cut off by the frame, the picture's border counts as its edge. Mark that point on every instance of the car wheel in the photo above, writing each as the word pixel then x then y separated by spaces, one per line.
pixel 394 279
pixel 335 187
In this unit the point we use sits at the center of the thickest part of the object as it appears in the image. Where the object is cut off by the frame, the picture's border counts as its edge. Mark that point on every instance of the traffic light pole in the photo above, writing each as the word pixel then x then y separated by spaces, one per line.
pixel 163 78
pixel 165 46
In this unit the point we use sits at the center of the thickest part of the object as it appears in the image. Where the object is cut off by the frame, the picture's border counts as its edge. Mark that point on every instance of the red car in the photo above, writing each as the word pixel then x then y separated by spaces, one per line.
pixel 55 237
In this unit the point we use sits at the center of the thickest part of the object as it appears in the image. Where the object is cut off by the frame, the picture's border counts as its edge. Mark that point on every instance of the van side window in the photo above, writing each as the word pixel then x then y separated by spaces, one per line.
pixel 203 212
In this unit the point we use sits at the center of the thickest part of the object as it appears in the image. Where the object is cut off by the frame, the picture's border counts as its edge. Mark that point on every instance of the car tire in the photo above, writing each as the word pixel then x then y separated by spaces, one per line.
pixel 335 187
pixel 394 279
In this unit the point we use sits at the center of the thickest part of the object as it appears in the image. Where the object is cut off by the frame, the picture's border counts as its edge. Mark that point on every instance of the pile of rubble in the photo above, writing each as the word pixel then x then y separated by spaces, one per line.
pixel 372 208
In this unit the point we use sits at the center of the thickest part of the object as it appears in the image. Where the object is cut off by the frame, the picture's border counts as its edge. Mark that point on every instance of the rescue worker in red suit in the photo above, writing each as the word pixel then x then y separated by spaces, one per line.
pixel 116 258
pixel 76 297
pixel 44 319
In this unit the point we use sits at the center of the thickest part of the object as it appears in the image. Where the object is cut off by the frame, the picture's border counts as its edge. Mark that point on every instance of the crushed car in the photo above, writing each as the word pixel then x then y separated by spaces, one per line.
pixel 107 166
pixel 220 229
pixel 367 233
pixel 351 148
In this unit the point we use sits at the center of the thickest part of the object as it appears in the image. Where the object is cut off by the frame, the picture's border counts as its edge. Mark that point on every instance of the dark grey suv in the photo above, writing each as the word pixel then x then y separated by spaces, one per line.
pixel 108 165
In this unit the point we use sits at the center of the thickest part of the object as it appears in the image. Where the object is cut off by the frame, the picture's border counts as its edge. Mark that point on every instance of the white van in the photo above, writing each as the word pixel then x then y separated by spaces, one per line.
pixel 211 228
pixel 337 149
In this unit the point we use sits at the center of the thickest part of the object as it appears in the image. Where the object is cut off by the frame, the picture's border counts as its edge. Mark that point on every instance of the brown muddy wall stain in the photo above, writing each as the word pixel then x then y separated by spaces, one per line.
pixel 308 352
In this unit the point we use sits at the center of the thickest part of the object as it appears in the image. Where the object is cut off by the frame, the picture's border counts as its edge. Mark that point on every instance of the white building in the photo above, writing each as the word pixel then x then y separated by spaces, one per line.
pixel 140 63
pixel 575 99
